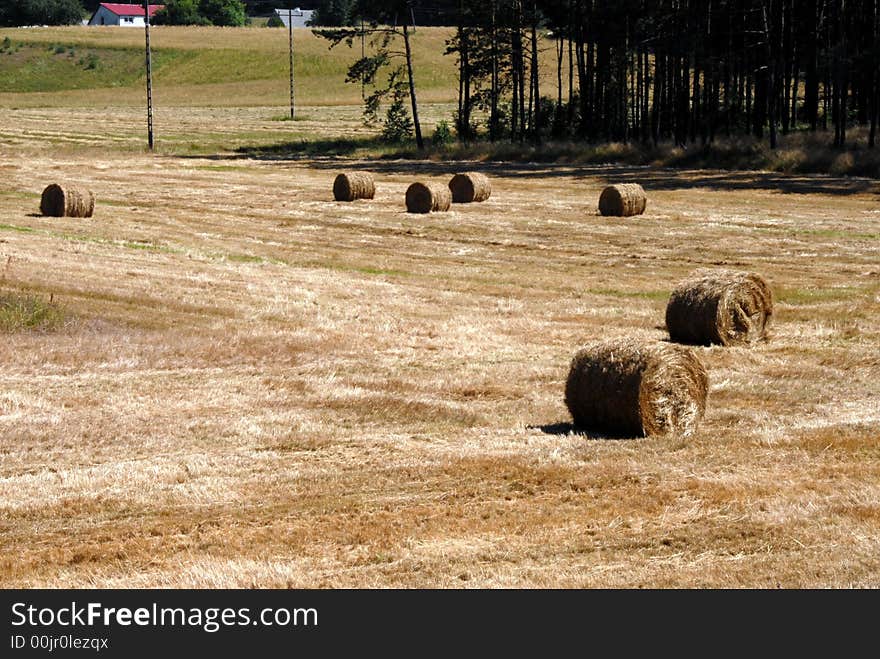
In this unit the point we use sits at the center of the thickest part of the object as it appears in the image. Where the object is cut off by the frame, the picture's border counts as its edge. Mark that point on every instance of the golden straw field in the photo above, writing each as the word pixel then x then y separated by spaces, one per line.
pixel 243 383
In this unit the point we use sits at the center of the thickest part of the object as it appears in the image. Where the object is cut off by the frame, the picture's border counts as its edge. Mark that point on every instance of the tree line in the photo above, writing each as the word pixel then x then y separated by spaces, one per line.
pixel 71 12
pixel 634 70
pixel 620 70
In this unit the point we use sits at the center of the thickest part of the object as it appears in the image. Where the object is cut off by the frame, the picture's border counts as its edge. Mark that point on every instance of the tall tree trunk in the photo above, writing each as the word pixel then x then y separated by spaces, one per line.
pixel 570 63
pixel 786 72
pixel 462 77
pixel 795 86
pixel 468 103
pixel 560 52
pixel 493 93
pixel 659 93
pixel 535 80
pixel 412 88
pixel 811 74
pixel 875 82
pixel 583 82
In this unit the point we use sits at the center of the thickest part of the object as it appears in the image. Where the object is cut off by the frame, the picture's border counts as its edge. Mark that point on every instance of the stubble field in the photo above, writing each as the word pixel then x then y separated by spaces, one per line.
pixel 253 385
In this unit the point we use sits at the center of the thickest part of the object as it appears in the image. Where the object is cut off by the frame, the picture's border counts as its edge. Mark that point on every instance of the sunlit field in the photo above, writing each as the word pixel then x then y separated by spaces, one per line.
pixel 238 67
pixel 226 379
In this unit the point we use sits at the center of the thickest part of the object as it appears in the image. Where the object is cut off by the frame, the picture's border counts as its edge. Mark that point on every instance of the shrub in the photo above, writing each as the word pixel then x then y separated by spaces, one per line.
pixel 223 12
pixel 40 12
pixel 398 126
pixel 20 312
pixel 202 12
pixel 843 164
pixel 442 134
pixel 179 12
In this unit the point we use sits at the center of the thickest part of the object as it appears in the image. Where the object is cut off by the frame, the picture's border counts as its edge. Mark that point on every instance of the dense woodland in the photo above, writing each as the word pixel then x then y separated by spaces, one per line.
pixel 625 70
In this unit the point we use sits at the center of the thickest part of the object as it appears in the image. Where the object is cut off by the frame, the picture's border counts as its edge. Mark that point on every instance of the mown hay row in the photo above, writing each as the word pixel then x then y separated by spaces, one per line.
pixel 470 187
pixel 67 201
pixel 349 186
pixel 724 307
pixel 631 388
pixel 623 200
pixel 427 198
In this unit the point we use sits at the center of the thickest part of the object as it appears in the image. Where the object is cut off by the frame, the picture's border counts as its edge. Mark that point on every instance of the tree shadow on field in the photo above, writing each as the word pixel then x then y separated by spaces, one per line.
pixel 564 428
pixel 406 160
pixel 691 179
pixel 306 149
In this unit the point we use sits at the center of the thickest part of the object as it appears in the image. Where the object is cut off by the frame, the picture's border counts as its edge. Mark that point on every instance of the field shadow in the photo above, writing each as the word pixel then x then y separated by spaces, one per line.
pixel 406 159
pixel 564 428
pixel 321 148
pixel 650 179
pixel 690 179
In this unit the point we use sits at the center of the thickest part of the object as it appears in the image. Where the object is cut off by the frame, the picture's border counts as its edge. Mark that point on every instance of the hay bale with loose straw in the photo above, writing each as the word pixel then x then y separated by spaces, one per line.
pixel 427 197
pixel 720 306
pixel 67 201
pixel 354 185
pixel 631 388
pixel 623 200
pixel 470 187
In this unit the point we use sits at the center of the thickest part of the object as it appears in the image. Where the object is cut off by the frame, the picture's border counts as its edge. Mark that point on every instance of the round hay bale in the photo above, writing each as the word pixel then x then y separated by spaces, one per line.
pixel 720 306
pixel 427 197
pixel 631 388
pixel 623 200
pixel 67 201
pixel 470 187
pixel 354 185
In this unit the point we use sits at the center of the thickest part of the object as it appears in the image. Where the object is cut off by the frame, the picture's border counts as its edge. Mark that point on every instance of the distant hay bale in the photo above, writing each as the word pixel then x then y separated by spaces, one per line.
pixel 470 187
pixel 354 185
pixel 67 201
pixel 635 389
pixel 623 200
pixel 427 197
pixel 719 306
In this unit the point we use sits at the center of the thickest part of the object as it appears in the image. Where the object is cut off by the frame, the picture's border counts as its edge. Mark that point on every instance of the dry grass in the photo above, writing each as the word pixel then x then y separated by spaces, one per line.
pixel 264 387
pixel 182 130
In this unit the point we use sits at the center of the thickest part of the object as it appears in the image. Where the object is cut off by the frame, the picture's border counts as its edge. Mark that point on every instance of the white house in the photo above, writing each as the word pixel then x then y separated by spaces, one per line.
pixel 300 17
pixel 109 13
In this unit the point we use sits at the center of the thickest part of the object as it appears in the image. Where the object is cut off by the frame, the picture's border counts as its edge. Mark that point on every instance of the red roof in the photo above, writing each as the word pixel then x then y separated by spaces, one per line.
pixel 130 10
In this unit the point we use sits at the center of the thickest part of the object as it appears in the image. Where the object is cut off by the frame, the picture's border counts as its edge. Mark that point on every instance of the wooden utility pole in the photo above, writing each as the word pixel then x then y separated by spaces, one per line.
pixel 290 42
pixel 149 75
pixel 363 56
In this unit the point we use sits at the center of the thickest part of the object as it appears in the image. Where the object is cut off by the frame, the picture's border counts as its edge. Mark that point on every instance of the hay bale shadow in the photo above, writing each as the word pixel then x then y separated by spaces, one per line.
pixel 565 428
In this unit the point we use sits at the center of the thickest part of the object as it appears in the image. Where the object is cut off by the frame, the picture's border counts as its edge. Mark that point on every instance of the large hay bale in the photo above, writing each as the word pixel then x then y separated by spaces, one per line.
pixel 623 200
pixel 719 306
pixel 354 185
pixel 635 389
pixel 67 201
pixel 469 187
pixel 427 197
